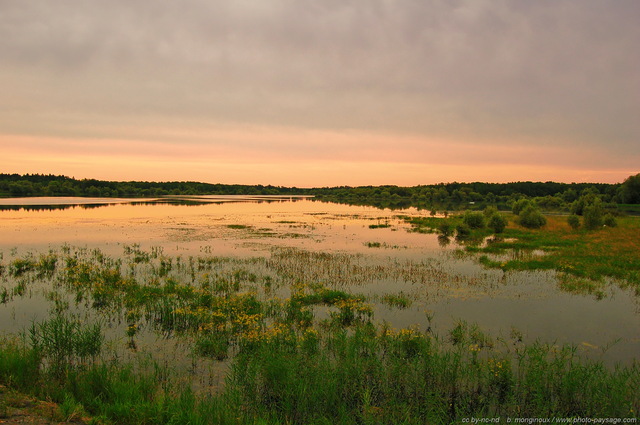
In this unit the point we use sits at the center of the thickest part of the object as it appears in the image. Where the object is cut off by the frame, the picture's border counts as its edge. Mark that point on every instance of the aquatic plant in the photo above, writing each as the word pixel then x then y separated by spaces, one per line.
pixel 303 348
pixel 20 266
pixel 400 300
pixel 65 342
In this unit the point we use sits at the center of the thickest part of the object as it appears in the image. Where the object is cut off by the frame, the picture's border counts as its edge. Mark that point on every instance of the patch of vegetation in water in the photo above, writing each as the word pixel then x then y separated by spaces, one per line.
pixel 265 232
pixel 292 235
pixel 379 226
pixel 400 300
pixel 238 226
pixel 583 286
pixel 382 245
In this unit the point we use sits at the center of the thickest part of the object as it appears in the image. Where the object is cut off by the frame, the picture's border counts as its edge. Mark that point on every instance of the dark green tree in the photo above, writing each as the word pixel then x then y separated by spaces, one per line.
pixel 629 192
pixel 462 231
pixel 445 228
pixel 489 211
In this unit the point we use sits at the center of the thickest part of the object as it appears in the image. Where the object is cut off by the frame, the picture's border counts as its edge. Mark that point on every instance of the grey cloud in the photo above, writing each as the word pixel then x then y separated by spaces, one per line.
pixel 556 70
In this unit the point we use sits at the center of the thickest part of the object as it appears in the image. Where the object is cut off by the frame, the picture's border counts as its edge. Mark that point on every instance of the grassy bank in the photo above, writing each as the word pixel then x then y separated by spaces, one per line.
pixel 610 252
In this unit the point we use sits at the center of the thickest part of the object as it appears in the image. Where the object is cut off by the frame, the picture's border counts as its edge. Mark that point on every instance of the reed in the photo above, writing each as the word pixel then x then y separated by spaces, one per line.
pixel 290 364
pixel 65 343
pixel 365 374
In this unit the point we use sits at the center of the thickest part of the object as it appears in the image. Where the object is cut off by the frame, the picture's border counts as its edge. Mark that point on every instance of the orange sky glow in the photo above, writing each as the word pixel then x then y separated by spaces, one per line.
pixel 431 161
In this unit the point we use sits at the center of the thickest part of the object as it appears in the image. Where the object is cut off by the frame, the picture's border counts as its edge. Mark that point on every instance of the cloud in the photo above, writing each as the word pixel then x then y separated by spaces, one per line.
pixel 486 75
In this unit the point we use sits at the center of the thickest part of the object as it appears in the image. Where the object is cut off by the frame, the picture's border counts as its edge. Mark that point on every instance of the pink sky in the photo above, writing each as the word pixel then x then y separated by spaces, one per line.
pixel 248 157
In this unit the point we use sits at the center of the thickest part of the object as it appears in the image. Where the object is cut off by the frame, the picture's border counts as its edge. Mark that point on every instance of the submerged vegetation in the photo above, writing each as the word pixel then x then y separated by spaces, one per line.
pixel 299 351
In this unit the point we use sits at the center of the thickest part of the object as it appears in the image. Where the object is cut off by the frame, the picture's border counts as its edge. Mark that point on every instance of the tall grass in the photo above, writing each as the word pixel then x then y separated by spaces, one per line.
pixel 360 375
pixel 381 376
pixel 65 343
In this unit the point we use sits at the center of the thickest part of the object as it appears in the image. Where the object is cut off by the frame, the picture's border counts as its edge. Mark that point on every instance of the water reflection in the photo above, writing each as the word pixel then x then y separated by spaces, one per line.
pixel 49 207
pixel 62 203
pixel 282 242
pixel 444 241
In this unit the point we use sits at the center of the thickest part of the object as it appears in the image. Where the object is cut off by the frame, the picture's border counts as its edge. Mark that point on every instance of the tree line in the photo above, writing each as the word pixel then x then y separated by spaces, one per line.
pixel 16 185
pixel 549 195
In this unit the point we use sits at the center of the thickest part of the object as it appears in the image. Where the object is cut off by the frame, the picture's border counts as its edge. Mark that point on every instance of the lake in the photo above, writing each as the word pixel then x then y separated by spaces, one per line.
pixel 408 278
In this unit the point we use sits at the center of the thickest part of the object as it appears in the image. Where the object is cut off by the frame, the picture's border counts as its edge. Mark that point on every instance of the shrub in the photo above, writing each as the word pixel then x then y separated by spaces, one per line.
pixel 445 228
pixel 574 221
pixel 490 211
pixel 532 218
pixel 473 219
pixel 520 205
pixel 592 215
pixel 610 221
pixel 497 223
pixel 462 231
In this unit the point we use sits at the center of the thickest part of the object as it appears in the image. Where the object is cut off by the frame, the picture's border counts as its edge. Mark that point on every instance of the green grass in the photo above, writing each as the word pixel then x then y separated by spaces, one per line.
pixel 629 209
pixel 380 376
pixel 609 252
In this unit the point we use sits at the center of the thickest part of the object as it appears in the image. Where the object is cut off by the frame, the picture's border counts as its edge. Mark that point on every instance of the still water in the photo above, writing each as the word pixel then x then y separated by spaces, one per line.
pixel 362 250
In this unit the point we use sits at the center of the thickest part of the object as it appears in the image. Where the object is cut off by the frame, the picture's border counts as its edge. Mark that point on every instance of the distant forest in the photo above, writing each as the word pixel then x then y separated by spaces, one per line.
pixel 547 195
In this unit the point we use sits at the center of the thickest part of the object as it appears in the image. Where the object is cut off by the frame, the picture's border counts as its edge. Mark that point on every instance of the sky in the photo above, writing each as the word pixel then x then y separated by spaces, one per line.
pixel 321 93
